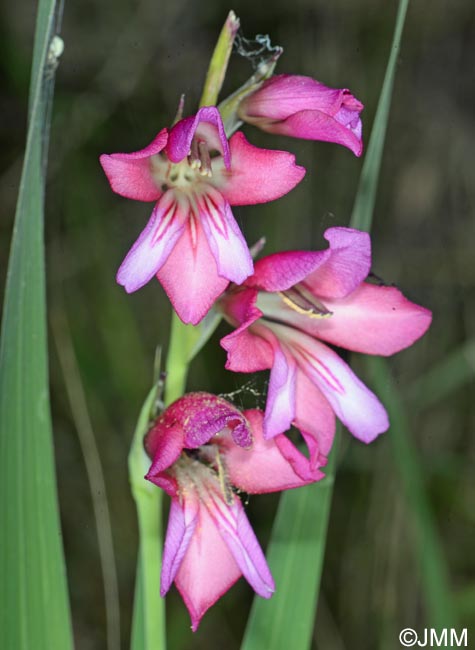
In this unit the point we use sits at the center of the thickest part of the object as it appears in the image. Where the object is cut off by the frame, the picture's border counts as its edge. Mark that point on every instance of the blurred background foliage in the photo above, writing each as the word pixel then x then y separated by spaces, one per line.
pixel 124 67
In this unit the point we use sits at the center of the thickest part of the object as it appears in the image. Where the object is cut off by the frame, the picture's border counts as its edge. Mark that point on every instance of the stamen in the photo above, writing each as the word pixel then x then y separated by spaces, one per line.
pixel 303 302
pixel 205 167
pixel 194 155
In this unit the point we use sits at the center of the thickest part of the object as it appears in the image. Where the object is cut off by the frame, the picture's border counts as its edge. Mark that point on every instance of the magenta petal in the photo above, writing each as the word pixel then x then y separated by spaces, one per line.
pixel 190 277
pixel 154 244
pixel 225 239
pixel 256 175
pixel 269 465
pixel 347 265
pixel 130 174
pixel 372 320
pixel 354 404
pixel 315 125
pixel 281 271
pixel 208 569
pixel 237 532
pixel 283 95
pixel 200 416
pixel 164 443
pixel 182 521
pixel 280 407
pixel 181 135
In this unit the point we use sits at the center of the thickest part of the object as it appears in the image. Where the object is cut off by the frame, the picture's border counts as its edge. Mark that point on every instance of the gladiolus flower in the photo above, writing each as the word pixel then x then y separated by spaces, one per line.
pixel 192 242
pixel 202 448
pixel 296 300
pixel 302 107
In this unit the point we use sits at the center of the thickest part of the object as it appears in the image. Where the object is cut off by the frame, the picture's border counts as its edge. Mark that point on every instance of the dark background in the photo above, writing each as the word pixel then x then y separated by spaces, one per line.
pixel 124 67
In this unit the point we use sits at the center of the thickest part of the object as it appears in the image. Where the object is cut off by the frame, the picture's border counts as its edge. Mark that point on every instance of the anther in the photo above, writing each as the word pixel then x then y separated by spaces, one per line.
pixel 205 167
pixel 302 301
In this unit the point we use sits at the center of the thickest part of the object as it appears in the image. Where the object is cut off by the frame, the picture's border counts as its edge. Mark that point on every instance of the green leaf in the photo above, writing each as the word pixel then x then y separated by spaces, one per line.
pixel 148 625
pixel 34 611
pixel 362 215
pixel 303 577
pixel 295 558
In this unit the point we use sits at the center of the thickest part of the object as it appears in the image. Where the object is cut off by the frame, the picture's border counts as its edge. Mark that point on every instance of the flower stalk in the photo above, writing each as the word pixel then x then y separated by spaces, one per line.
pixel 219 61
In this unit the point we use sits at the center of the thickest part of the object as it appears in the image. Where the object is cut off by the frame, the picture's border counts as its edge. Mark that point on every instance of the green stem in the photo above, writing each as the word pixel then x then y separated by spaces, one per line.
pixel 219 61
pixel 148 627
pixel 182 340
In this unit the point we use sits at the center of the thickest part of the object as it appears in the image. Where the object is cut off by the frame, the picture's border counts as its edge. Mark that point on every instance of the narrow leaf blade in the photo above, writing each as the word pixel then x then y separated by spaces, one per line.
pixel 34 611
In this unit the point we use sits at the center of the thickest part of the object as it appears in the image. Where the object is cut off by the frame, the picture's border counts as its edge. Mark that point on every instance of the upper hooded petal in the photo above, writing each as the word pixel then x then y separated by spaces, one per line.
pixel 155 243
pixel 347 265
pixel 130 174
pixel 225 239
pixel 373 320
pixel 181 135
pixel 269 465
pixel 256 175
pixel 353 403
pixel 190 276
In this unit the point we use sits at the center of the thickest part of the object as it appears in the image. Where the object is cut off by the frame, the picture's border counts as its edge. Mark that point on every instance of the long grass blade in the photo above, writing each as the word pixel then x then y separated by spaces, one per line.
pixel 34 611
pixel 294 566
pixel 363 208
pixel 95 473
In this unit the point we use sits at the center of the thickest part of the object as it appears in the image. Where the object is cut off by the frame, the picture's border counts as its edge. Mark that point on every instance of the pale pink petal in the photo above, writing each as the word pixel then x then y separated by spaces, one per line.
pixel 315 418
pixel 181 135
pixel 269 465
pixel 182 521
pixel 155 243
pixel 225 239
pixel 354 404
pixel 256 175
pixel 315 125
pixel 280 406
pixel 246 351
pixel 208 569
pixel 347 265
pixel 130 175
pixel 372 320
pixel 190 277
pixel 281 271
pixel 237 532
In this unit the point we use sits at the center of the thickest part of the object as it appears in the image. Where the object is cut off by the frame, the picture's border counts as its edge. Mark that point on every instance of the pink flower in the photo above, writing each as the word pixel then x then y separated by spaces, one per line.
pixel 296 300
pixel 304 108
pixel 192 242
pixel 202 447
